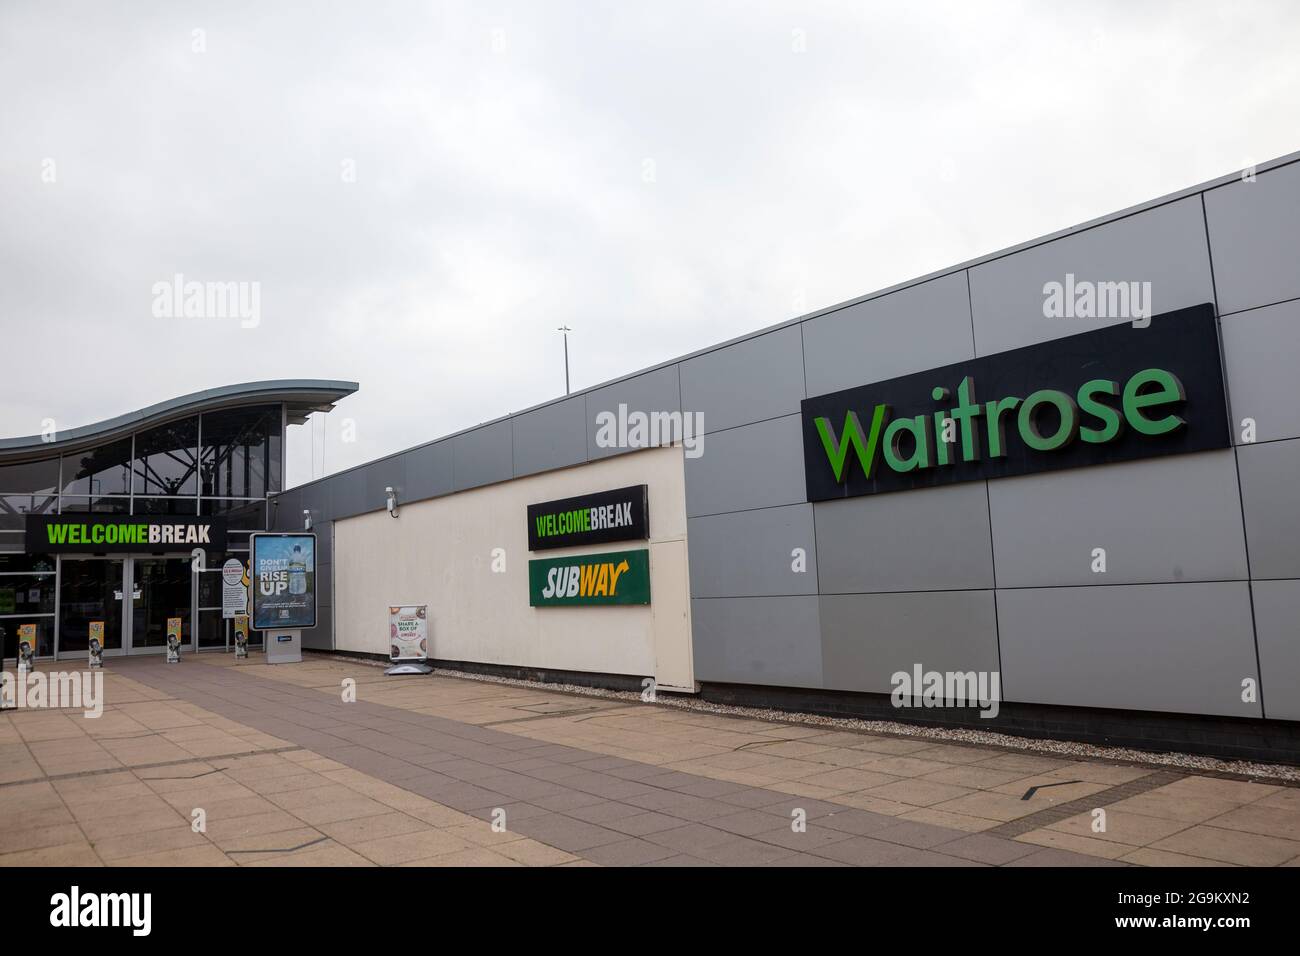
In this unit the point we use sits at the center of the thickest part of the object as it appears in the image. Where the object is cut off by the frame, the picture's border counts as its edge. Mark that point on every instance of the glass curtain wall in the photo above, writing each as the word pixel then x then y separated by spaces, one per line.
pixel 225 462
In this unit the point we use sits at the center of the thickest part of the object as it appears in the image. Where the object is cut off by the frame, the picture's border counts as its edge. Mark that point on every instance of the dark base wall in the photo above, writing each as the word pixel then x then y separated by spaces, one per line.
pixel 1233 738
pixel 543 676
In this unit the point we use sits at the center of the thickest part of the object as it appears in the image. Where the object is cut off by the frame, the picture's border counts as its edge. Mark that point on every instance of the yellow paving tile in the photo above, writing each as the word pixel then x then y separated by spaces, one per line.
pixel 392 850
pixel 65 854
pixel 919 792
pixel 1075 843
pixel 1134 829
pixel 1161 802
pixel 954 821
pixel 1146 856
pixel 206 855
pixel 1263 820
pixel 479 856
pixel 1231 846
pixel 115 848
pixel 374 827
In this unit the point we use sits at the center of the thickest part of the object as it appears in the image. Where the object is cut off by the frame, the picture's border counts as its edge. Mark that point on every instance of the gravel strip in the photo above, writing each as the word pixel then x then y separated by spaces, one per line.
pixel 1283 773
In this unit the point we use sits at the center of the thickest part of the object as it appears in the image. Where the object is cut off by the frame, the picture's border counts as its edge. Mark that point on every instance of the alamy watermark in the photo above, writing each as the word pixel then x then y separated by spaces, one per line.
pixel 38 690
pixel 922 688
pixel 1084 299
pixel 179 299
pixel 636 429
pixel 133 911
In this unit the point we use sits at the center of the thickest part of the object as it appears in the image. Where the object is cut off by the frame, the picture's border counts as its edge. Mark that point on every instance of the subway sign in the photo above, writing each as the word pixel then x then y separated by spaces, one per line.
pixel 614 577
pixel 597 518
pixel 121 534
pixel 1110 395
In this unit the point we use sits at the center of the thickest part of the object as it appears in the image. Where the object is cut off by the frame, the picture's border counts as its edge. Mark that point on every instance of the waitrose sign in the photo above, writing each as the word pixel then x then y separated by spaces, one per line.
pixel 1114 394
pixel 100 534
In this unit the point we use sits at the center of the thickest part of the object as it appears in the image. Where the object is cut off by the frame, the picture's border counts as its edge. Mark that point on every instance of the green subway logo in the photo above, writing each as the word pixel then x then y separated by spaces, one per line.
pixel 1112 395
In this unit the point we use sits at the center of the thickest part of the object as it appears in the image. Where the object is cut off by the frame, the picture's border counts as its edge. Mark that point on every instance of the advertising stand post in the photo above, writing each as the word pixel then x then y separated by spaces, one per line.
pixel 283 587
pixel 26 647
pixel 95 644
pixel 408 639
pixel 4 696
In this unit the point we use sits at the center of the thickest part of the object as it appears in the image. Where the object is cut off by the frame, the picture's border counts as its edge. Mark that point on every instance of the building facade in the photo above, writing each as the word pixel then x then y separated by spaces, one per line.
pixel 1115 590
pixel 1068 467
pixel 208 460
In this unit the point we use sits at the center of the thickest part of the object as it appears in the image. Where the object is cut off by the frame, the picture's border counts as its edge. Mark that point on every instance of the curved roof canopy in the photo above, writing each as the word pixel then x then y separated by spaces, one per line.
pixel 301 396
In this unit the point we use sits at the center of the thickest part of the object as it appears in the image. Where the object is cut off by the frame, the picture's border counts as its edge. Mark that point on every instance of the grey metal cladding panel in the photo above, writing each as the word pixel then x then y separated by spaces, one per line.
pixel 907 331
pixel 1159 520
pixel 482 456
pixel 554 436
pixel 347 493
pixel 1261 350
pixel 750 553
pixel 1254 231
pixel 324 545
pixel 1182 648
pixel 932 540
pixel 749 381
pixel 285 511
pixel 385 473
pixel 868 637
pixel 1164 246
pixel 1277 609
pixel 656 391
pixel 753 466
pixel 1271 504
pixel 315 497
pixel 427 471
pixel 319 638
pixel 757 640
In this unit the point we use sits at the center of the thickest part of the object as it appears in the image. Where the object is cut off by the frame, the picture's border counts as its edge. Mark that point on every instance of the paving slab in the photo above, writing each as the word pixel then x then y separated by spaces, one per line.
pixel 448 771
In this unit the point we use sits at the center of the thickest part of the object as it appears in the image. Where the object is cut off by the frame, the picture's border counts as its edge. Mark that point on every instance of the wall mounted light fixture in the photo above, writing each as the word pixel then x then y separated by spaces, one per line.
pixel 392 501
pixel 306 519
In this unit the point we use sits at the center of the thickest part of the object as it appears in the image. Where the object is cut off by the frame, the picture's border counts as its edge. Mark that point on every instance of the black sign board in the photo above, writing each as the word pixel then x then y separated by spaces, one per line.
pixel 1114 394
pixel 123 534
pixel 619 515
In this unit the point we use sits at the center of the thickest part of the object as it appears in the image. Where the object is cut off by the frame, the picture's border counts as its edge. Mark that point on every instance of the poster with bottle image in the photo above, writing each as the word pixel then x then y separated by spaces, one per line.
pixel 283 581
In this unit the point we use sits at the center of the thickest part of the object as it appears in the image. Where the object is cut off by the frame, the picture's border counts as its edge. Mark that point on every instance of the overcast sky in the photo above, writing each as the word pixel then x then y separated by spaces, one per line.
pixel 424 191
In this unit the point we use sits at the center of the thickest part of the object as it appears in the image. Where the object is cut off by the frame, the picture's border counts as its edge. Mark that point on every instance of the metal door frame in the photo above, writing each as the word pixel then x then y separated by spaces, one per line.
pixel 128 595
pixel 59 653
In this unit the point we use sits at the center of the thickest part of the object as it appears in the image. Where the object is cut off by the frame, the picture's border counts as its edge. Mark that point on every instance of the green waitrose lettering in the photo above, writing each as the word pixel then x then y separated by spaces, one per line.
pixel 1084 416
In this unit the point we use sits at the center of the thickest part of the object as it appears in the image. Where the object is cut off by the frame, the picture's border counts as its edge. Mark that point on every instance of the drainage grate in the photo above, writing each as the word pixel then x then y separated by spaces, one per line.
pixel 1103 798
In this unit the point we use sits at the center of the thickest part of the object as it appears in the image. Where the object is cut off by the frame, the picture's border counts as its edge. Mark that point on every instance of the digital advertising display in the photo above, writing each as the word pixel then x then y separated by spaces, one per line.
pixel 283 581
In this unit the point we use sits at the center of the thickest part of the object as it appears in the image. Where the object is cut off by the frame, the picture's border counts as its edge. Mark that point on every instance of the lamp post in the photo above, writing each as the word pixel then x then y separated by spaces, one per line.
pixel 566 330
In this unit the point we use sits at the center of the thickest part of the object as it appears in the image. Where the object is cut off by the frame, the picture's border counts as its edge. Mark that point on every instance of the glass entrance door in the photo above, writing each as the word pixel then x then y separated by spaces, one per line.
pixel 161 588
pixel 91 590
